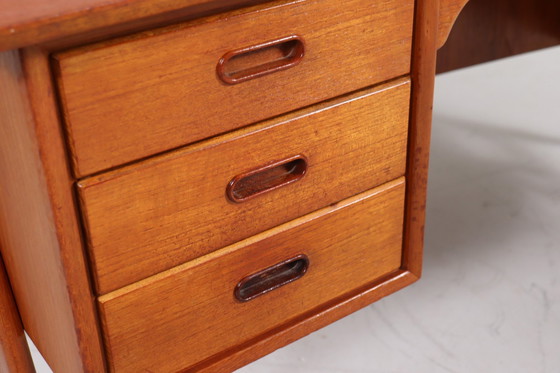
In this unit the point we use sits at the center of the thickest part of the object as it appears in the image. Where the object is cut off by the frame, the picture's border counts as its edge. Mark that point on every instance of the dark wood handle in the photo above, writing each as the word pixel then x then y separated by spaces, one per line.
pixel 271 278
pixel 255 61
pixel 266 178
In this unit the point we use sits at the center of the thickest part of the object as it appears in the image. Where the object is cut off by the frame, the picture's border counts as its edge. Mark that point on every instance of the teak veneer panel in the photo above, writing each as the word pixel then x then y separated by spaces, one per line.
pixel 420 130
pixel 134 97
pixel 31 22
pixel 183 316
pixel 46 264
pixel 14 352
pixel 40 238
pixel 147 218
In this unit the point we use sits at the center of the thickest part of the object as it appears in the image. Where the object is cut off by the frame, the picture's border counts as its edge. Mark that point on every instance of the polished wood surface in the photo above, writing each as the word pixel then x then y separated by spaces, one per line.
pixel 147 218
pixel 448 12
pixel 492 29
pixel 306 324
pixel 30 22
pixel 267 178
pixel 40 238
pixel 252 62
pixel 167 93
pixel 51 284
pixel 14 352
pixel 175 319
pixel 271 278
pixel 423 72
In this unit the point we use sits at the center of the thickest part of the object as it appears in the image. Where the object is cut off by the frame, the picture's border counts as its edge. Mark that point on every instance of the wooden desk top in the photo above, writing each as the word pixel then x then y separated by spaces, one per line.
pixel 29 22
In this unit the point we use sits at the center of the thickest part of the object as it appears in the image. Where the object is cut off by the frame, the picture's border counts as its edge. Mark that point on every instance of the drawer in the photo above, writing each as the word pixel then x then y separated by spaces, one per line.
pixel 133 97
pixel 146 218
pixel 190 313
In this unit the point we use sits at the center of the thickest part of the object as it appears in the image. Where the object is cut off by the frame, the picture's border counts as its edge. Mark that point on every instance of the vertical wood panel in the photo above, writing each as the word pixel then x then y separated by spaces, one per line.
pixel 39 233
pixel 422 76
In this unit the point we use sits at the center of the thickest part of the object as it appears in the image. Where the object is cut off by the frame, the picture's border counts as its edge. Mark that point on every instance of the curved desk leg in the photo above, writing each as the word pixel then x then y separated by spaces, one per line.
pixel 14 352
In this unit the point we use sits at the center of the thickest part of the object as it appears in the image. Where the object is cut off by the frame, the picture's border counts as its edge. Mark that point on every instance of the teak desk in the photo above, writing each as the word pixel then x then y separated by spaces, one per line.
pixel 187 185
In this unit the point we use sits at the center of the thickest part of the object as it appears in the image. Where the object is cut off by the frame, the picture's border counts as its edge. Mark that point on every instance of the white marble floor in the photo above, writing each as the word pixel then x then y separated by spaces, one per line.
pixel 489 300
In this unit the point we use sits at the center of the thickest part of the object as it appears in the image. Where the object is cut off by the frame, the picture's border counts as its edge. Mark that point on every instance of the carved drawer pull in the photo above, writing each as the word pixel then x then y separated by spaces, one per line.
pixel 271 278
pixel 252 62
pixel 266 178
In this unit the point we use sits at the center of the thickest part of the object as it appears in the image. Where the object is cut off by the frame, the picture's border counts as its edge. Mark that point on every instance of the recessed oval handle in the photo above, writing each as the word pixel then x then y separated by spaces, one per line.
pixel 255 61
pixel 271 278
pixel 266 178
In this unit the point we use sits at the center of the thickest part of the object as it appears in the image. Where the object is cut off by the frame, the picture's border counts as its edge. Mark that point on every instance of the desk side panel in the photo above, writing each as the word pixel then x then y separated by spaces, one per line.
pixel 40 237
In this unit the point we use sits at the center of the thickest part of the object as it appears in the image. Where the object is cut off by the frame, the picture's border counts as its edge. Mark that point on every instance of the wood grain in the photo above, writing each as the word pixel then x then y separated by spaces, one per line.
pixel 148 218
pixel 493 29
pixel 41 242
pixel 267 178
pixel 14 352
pixel 63 319
pixel 31 22
pixel 123 99
pixel 417 171
pixel 185 315
pixel 307 323
pixel 448 12
pixel 255 61
pixel 423 73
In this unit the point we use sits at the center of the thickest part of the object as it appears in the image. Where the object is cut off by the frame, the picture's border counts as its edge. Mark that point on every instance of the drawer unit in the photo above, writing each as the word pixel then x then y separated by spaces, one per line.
pixel 190 185
pixel 178 318
pixel 133 97
pixel 149 217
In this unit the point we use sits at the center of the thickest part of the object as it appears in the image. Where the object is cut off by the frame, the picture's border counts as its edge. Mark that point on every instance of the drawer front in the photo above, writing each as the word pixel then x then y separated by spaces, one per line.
pixel 150 217
pixel 127 99
pixel 183 316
